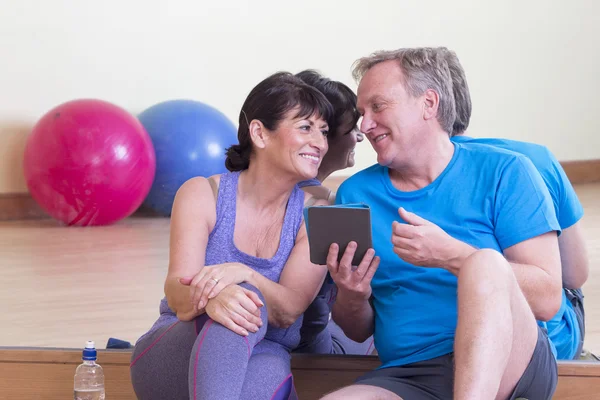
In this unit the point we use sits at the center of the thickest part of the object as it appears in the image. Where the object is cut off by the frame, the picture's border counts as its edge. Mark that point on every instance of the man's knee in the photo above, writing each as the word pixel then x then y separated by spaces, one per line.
pixel 337 395
pixel 486 258
pixel 361 392
pixel 486 271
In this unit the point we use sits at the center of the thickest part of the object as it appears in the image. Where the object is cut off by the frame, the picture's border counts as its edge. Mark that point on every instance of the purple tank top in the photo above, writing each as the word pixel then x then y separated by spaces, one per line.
pixel 221 249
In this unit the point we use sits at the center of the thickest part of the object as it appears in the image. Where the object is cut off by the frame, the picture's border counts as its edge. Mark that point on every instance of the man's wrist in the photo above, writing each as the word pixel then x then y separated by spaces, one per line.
pixel 350 301
pixel 458 253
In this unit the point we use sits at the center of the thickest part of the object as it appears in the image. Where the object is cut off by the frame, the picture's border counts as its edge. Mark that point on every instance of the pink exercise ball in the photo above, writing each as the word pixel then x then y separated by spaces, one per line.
pixel 89 162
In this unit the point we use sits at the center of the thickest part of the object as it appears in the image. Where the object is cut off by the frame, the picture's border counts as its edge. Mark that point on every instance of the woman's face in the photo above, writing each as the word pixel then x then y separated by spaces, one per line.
pixel 298 145
pixel 342 145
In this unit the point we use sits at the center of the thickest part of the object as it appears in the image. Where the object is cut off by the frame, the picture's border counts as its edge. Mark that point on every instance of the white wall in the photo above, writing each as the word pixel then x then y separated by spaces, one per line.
pixel 533 66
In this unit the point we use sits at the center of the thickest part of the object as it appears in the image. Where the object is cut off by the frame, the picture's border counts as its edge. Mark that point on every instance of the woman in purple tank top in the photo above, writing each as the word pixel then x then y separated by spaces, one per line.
pixel 239 276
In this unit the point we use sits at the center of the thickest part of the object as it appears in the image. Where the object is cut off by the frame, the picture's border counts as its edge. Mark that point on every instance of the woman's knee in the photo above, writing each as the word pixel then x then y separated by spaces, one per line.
pixel 254 289
pixel 263 310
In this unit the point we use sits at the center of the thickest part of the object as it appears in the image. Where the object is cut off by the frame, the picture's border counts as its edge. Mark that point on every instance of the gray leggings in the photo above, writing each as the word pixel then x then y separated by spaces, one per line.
pixel 204 360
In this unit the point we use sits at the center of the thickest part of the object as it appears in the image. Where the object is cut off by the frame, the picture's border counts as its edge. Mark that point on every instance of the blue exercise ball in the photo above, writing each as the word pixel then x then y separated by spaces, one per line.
pixel 190 139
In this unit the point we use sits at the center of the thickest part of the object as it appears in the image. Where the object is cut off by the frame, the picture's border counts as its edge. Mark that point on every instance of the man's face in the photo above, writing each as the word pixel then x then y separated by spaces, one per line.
pixel 392 118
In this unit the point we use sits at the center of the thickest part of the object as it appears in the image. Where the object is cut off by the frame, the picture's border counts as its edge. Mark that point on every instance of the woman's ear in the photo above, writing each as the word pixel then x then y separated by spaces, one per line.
pixel 258 134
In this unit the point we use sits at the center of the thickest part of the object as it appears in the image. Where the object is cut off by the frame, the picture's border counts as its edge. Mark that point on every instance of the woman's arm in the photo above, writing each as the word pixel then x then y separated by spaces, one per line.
pixel 192 219
pixel 298 285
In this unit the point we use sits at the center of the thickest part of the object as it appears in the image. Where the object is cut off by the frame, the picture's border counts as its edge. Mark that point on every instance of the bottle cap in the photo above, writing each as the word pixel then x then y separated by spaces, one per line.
pixel 89 353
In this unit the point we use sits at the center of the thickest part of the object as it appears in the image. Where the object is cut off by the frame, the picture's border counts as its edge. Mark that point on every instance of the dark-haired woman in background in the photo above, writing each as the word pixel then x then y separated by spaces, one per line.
pixel 319 333
pixel 239 274
pixel 343 132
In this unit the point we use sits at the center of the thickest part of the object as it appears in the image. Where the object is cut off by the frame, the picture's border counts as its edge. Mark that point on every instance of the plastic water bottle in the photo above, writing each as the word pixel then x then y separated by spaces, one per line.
pixel 89 376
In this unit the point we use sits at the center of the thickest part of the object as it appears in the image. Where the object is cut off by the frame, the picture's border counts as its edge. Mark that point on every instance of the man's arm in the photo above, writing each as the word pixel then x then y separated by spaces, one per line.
pixel 355 317
pixel 536 264
pixel 569 211
pixel 526 227
pixel 574 257
pixel 535 261
pixel 352 310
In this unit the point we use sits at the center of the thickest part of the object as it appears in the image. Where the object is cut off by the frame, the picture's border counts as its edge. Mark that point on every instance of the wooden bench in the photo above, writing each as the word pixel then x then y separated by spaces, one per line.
pixel 46 373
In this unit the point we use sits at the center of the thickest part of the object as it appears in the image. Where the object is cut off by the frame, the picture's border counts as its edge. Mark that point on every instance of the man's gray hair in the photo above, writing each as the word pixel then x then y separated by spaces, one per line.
pixel 460 88
pixel 423 68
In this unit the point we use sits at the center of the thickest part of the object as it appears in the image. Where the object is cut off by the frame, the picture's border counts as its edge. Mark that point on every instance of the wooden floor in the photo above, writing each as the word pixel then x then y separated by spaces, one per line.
pixel 62 286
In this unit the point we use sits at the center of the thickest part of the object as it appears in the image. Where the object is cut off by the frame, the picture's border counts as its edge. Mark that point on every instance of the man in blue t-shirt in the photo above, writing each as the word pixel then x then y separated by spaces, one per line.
pixel 566 329
pixel 465 256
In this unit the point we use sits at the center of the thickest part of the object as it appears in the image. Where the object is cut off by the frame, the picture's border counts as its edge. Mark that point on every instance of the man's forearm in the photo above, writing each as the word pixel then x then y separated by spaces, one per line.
pixel 355 317
pixel 541 291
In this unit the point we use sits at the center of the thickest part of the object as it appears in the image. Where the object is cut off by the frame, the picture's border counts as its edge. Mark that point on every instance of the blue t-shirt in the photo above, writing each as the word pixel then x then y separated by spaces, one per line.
pixel 566 203
pixel 563 328
pixel 476 199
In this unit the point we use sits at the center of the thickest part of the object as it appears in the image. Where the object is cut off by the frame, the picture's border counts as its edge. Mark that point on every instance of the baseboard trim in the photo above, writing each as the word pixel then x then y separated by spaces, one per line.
pixel 314 375
pixel 21 206
pixel 584 171
pixel 578 172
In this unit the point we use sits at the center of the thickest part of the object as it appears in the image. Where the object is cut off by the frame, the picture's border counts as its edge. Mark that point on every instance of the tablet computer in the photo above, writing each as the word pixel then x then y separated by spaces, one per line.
pixel 339 224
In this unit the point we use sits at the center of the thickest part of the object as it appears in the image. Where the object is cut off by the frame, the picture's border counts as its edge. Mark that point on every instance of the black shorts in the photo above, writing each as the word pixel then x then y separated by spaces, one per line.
pixel 434 379
pixel 575 297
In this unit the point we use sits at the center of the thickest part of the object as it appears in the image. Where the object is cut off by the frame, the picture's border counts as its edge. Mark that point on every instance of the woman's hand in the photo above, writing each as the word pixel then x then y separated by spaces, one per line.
pixel 212 279
pixel 237 309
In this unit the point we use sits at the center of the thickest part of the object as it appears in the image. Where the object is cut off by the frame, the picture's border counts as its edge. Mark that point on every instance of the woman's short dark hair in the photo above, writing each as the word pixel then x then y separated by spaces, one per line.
pixel 339 95
pixel 269 102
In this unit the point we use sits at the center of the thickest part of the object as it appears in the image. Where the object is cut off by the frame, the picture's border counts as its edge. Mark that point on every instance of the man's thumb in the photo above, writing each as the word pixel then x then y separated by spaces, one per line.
pixel 411 218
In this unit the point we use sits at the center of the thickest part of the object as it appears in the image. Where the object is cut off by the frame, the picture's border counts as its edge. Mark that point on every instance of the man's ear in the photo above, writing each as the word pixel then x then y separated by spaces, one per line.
pixel 258 134
pixel 432 103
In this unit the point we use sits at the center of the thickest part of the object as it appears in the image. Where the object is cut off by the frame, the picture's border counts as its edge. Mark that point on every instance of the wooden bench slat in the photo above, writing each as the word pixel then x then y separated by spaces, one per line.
pixel 28 373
